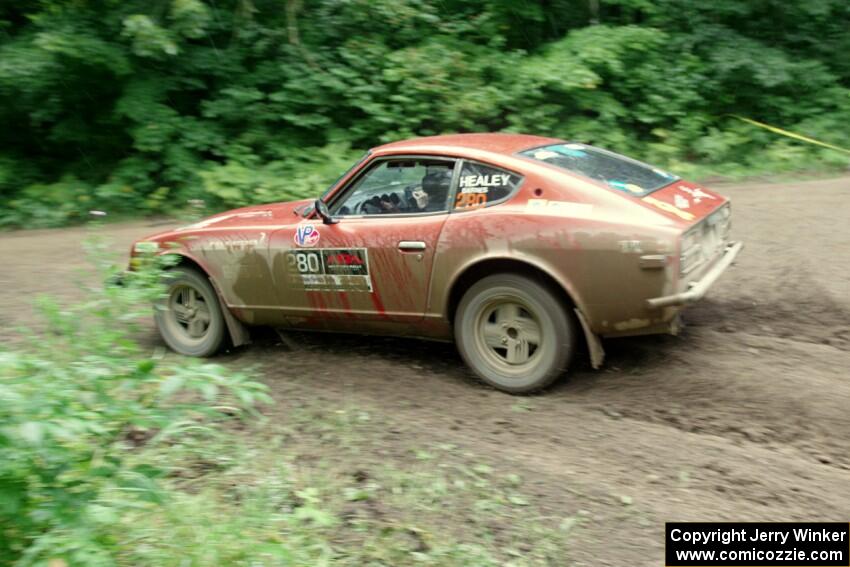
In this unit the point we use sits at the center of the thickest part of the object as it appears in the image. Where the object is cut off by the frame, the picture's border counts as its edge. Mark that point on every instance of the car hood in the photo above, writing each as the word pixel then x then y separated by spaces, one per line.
pixel 253 217
pixel 249 217
pixel 684 201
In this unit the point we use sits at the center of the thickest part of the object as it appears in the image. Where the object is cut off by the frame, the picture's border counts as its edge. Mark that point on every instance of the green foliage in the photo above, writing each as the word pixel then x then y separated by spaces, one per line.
pixel 76 405
pixel 111 456
pixel 313 488
pixel 292 176
pixel 144 106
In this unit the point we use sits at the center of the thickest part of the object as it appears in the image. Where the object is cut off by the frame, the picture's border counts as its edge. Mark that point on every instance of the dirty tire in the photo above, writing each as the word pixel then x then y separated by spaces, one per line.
pixel 514 333
pixel 189 318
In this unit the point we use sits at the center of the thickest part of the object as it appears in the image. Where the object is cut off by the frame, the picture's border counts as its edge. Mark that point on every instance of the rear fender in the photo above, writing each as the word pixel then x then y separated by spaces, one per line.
pixel 594 343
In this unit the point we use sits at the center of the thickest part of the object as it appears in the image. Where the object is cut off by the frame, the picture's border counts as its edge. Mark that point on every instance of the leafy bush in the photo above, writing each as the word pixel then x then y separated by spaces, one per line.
pixel 109 456
pixel 297 175
pixel 142 106
pixel 76 406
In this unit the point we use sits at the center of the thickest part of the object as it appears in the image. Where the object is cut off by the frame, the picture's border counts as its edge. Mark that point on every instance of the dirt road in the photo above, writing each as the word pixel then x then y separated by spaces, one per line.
pixel 745 416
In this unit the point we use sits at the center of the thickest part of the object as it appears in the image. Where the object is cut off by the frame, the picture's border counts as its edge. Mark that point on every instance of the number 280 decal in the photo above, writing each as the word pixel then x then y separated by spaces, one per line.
pixel 342 269
pixel 304 262
pixel 470 200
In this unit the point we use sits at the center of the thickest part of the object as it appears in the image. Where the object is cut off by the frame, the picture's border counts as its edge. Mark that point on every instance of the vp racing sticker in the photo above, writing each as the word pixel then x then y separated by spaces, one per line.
pixel 329 269
pixel 307 236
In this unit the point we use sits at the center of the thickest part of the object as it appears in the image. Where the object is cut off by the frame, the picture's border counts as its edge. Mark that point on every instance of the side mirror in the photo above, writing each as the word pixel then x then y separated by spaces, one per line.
pixel 322 209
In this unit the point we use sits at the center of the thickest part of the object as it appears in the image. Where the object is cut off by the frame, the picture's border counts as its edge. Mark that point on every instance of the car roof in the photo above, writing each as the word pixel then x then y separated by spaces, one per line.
pixel 498 143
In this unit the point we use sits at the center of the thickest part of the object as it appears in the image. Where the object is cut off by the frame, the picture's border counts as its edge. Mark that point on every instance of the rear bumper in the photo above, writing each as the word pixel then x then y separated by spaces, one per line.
pixel 696 290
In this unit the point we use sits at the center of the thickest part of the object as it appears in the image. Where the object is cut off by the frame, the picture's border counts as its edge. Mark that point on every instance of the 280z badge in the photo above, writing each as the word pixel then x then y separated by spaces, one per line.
pixel 307 236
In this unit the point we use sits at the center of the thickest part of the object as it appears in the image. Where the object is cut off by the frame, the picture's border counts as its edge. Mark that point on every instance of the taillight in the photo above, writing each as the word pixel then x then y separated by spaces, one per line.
pixel 722 219
pixel 705 240
pixel 691 251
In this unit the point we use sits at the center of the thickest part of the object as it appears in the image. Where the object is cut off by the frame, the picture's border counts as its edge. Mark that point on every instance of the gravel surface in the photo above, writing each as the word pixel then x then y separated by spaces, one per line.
pixel 744 416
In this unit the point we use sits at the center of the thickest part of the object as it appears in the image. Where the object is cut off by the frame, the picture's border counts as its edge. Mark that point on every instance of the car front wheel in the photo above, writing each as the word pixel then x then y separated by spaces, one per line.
pixel 189 317
pixel 514 333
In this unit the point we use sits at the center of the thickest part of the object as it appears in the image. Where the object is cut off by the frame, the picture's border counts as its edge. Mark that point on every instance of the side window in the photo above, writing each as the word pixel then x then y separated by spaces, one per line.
pixel 399 186
pixel 481 185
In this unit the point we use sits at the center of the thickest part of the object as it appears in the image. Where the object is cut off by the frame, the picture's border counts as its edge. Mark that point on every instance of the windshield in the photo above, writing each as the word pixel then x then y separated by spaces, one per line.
pixel 346 172
pixel 616 171
pixel 308 209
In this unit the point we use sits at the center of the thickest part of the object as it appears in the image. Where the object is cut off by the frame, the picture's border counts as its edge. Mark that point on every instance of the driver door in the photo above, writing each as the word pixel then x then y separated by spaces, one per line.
pixel 375 263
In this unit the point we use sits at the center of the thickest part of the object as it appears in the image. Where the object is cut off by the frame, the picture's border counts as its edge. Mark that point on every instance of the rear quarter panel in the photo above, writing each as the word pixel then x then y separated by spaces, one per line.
pixel 588 239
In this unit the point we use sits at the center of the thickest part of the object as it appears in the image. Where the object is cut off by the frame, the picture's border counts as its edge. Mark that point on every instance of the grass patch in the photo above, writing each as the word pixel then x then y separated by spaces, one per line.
pixel 322 486
pixel 114 455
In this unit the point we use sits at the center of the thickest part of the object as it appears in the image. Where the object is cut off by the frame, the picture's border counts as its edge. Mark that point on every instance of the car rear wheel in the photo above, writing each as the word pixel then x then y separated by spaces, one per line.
pixel 514 333
pixel 189 318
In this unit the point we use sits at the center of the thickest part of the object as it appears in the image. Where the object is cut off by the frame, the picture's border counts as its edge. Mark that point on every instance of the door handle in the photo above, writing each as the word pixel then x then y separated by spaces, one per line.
pixel 411 246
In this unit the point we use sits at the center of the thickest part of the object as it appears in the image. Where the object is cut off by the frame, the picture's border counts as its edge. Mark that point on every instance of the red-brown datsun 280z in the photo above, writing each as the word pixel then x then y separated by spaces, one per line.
pixel 513 246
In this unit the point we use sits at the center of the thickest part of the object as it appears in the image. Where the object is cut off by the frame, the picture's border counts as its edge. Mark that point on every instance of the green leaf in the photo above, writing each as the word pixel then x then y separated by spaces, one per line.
pixel 32 432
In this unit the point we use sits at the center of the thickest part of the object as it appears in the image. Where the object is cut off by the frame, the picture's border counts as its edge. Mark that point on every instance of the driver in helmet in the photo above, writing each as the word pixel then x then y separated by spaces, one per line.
pixel 432 194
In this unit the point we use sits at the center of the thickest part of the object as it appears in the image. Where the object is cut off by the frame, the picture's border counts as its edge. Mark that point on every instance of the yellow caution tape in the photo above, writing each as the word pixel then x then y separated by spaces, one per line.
pixel 790 134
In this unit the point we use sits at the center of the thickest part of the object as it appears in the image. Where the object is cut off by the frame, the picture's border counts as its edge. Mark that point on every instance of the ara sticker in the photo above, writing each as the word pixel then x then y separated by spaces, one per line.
pixel 670 208
pixel 480 183
pixel 559 208
pixel 307 236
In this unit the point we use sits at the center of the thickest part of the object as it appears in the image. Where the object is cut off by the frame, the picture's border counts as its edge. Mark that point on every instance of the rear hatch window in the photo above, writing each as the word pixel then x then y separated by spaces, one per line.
pixel 616 171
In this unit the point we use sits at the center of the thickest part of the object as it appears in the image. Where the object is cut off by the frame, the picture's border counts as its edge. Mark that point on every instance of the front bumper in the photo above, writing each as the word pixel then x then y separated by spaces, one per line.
pixel 696 290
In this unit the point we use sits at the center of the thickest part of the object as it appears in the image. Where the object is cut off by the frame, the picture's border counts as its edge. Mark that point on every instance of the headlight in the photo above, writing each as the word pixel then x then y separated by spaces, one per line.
pixel 145 247
pixel 706 240
pixel 690 239
pixel 726 223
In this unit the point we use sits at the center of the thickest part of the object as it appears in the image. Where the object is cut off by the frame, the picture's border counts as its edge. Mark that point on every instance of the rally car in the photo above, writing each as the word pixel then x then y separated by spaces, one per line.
pixel 519 248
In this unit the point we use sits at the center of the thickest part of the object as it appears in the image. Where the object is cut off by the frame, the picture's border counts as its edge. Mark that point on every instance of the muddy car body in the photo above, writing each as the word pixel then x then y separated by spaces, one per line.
pixel 616 247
